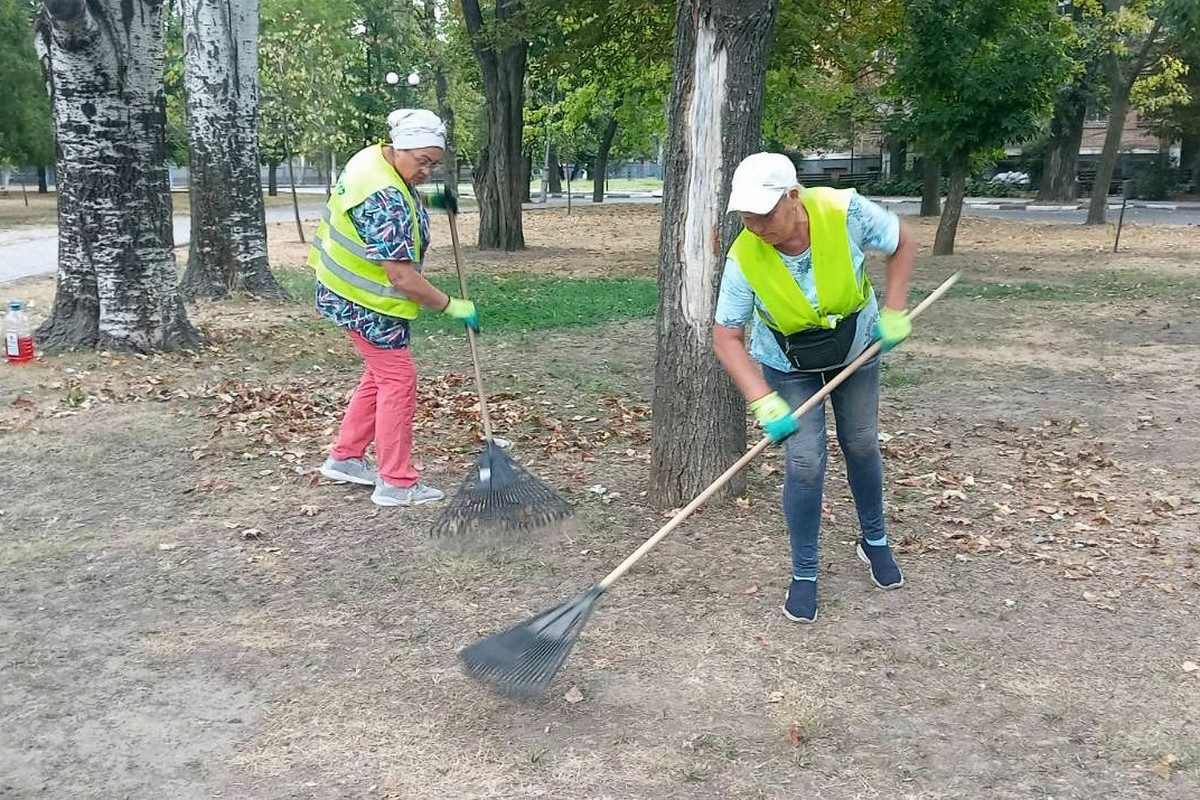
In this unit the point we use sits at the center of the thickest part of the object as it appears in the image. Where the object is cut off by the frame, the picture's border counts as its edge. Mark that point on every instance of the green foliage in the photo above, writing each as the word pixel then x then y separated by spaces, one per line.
pixel 911 187
pixel 525 301
pixel 596 61
pixel 1156 181
pixel 176 97
pixel 25 132
pixel 307 58
pixel 975 75
pixel 828 65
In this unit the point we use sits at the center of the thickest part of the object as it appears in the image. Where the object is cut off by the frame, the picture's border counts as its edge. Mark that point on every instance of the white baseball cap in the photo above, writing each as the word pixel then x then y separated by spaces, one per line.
pixel 759 181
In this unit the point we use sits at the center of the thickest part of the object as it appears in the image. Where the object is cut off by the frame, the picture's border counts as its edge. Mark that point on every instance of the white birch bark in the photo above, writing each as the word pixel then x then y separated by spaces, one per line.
pixel 721 49
pixel 228 251
pixel 117 284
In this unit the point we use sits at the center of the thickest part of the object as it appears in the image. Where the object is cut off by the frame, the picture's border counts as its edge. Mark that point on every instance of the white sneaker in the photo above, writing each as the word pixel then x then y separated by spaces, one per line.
pixel 349 470
pixel 387 495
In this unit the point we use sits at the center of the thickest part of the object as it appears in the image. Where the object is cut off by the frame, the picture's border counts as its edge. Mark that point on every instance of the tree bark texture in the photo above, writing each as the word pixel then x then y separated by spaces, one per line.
pixel 499 171
pixel 1059 182
pixel 228 251
pixel 1107 163
pixel 943 241
pixel 931 186
pixel 117 286
pixel 43 181
pixel 600 173
pixel 715 120
pixel 553 170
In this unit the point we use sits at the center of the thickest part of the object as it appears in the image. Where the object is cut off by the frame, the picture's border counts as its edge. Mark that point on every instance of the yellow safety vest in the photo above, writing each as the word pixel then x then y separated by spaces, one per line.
pixel 839 293
pixel 339 254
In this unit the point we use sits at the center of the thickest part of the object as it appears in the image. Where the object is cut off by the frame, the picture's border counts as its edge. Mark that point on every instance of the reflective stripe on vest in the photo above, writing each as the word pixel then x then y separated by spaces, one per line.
pixel 339 255
pixel 839 293
pixel 366 284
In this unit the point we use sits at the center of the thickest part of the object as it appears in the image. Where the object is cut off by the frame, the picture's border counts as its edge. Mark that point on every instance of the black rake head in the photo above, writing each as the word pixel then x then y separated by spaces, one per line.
pixel 500 496
pixel 523 660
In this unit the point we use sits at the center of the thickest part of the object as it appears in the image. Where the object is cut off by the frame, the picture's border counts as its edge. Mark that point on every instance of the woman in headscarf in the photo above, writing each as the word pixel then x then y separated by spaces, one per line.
pixel 367 254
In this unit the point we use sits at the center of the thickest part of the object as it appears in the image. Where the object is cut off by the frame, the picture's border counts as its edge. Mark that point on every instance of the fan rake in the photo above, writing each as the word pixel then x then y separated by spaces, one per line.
pixel 498 497
pixel 524 659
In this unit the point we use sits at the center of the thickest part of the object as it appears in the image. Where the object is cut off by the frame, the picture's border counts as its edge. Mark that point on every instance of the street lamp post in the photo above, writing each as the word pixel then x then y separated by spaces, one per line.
pixel 393 80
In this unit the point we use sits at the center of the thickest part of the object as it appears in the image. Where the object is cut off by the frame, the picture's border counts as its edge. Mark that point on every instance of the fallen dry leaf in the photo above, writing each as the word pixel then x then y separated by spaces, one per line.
pixel 1165 766
pixel 310 511
pixel 573 695
pixel 750 590
pixel 795 735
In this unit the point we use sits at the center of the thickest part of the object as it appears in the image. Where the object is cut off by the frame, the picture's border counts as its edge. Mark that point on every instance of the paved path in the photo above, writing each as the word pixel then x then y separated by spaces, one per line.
pixel 28 251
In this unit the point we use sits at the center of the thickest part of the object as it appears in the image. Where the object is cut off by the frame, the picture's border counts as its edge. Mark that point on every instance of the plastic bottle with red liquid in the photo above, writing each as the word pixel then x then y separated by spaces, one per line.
pixel 18 337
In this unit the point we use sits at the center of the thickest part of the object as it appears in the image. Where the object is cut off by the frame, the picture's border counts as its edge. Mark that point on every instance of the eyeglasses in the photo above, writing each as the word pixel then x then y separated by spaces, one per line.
pixel 424 162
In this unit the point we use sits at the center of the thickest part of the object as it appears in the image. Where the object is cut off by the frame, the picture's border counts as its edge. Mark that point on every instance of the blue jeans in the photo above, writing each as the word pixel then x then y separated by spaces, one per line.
pixel 856 414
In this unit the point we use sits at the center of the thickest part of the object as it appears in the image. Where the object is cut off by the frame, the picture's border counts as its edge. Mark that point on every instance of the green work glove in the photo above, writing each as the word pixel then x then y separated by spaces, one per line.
pixel 892 327
pixel 464 311
pixel 774 416
pixel 443 198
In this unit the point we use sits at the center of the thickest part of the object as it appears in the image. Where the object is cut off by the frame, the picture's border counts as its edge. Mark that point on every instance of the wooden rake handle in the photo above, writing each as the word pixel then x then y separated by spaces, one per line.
pixel 462 284
pixel 700 499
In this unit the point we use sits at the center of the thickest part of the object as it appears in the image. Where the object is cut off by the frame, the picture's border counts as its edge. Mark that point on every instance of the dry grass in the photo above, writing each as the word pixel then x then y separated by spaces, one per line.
pixel 291 640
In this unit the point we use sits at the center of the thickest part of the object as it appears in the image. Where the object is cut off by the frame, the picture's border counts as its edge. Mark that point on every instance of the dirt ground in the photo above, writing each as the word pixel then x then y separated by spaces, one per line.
pixel 187 611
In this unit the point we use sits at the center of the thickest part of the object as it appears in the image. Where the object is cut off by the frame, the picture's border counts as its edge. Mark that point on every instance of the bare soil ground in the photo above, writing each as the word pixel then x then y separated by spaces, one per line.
pixel 187 611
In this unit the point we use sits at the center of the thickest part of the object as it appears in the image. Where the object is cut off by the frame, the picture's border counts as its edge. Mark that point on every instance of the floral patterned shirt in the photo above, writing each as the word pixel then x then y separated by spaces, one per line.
pixel 386 227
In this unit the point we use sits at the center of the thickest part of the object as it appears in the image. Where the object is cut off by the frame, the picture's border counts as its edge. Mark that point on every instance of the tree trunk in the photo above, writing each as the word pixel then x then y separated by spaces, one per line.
pixel 526 178
pixel 228 251
pixel 1107 164
pixel 601 173
pixel 117 275
pixel 1062 155
pixel 715 120
pixel 897 156
pixel 273 178
pixel 1189 155
pixel 931 186
pixel 441 88
pixel 943 242
pixel 553 173
pixel 43 179
pixel 498 170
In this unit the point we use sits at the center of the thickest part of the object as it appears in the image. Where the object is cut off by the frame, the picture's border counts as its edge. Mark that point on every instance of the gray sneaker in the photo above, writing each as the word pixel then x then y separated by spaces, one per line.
pixel 349 470
pixel 387 495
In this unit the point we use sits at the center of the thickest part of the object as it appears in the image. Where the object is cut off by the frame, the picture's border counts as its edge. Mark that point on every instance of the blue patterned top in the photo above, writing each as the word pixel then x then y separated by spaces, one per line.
pixel 869 225
pixel 385 225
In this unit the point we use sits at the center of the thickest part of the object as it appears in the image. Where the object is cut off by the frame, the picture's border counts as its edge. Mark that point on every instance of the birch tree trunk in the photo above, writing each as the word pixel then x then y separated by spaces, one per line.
pixel 117 285
pixel 715 118
pixel 228 250
pixel 501 53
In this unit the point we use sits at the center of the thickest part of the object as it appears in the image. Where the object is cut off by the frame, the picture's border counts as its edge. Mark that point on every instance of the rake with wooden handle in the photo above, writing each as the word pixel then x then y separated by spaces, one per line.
pixel 522 660
pixel 498 497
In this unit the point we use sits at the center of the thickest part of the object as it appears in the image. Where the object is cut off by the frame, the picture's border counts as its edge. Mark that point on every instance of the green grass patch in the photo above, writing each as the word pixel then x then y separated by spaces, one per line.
pixel 525 302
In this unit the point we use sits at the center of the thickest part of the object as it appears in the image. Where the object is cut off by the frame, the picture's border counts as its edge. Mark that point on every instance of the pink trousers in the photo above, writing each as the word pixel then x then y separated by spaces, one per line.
pixel 382 410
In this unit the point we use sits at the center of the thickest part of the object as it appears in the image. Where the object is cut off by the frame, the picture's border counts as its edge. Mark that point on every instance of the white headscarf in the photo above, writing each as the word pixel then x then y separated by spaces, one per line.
pixel 414 128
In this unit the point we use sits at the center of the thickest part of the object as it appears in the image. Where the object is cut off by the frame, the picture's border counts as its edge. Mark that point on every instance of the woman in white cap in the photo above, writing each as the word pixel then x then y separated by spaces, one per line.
pixel 367 254
pixel 797 276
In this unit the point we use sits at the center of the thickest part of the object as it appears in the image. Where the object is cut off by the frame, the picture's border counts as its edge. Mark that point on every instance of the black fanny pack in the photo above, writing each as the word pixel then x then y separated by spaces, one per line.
pixel 819 348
